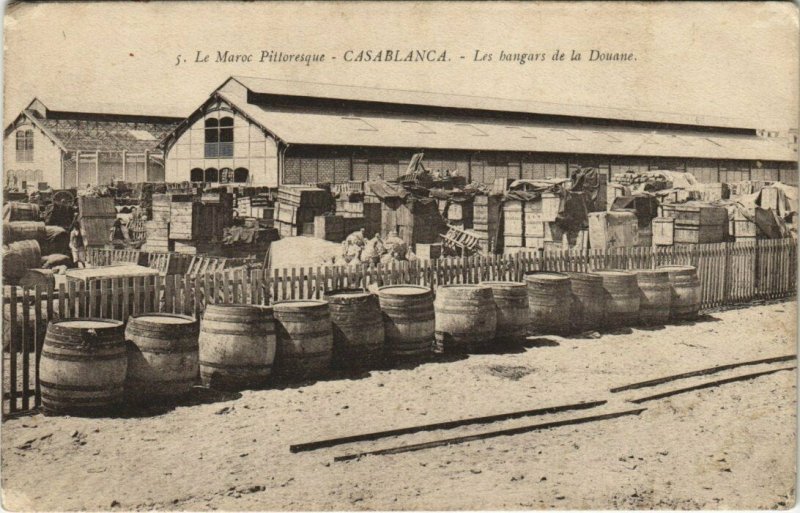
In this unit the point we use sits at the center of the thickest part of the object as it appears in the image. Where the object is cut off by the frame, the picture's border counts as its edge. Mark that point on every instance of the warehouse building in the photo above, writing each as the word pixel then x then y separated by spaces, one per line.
pixel 76 146
pixel 270 132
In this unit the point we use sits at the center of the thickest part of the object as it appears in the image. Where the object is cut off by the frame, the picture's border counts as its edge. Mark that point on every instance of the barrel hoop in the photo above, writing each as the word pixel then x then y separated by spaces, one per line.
pixel 59 344
pixel 301 335
pixel 455 311
pixel 80 388
pixel 83 357
pixel 216 331
pixel 174 350
pixel 213 365
pixel 303 356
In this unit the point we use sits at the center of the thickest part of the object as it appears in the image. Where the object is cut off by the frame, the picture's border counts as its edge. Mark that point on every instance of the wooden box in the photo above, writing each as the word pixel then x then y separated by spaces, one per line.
pixel 550 205
pixel 663 231
pixel 769 198
pixel 612 229
pixel 513 222
pixel 704 234
pixel 695 215
pixel 329 228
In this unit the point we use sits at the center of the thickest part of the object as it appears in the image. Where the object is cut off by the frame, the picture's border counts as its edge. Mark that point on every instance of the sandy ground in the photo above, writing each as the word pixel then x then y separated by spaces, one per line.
pixel 303 252
pixel 730 447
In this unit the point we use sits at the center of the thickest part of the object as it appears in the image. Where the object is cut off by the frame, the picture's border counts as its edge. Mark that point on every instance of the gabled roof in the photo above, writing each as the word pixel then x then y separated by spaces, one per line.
pixel 295 88
pixel 105 132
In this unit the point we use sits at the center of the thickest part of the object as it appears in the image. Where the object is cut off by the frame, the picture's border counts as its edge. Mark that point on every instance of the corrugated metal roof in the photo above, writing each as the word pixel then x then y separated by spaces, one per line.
pixel 111 109
pixel 423 98
pixel 296 127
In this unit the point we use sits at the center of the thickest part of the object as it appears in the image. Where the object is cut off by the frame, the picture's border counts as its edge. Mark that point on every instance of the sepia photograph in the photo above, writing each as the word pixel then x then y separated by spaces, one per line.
pixel 399 256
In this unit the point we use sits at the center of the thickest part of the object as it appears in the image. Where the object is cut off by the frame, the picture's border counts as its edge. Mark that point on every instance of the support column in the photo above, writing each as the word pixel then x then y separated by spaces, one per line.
pixel 78 183
pixel 124 165
pixel 146 165
pixel 97 167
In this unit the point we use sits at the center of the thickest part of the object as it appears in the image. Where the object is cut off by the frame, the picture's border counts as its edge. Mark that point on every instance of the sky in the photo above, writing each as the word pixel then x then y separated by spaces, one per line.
pixel 720 59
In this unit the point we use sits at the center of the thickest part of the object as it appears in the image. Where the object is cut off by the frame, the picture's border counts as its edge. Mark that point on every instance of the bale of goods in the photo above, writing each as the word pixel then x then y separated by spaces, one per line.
pixel 56 241
pixel 18 257
pixel 589 300
pixel 511 309
pixel 305 340
pixel 82 367
pixel 42 278
pixel 686 291
pixel 549 302
pixel 622 295
pixel 17 211
pixel 655 296
pixel 357 329
pixel 162 356
pixel 465 318
pixel 237 345
pixel 408 321
pixel 15 231
pixel 55 260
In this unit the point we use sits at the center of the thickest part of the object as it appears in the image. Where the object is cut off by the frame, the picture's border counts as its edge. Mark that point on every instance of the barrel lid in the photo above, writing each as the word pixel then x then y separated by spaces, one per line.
pixel 502 283
pixel 675 268
pixel 347 293
pixel 546 276
pixel 299 303
pixel 614 272
pixel 88 323
pixel 404 290
pixel 165 318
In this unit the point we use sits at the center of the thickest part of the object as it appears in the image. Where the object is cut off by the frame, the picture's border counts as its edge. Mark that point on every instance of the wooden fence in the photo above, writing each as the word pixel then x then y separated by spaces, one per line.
pixel 729 273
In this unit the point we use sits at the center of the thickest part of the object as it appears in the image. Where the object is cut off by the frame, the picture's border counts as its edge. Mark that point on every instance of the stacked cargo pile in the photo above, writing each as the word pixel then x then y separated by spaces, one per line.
pixel 645 207
pixel 486 220
pixel 531 225
pixel 297 206
pixel 259 207
pixel 690 223
pixel 97 217
pixel 157 228
pixel 614 229
pixel 359 214
pixel 197 222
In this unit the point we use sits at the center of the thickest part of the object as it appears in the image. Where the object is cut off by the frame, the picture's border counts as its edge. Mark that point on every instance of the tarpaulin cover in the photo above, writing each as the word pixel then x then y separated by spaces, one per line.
pixel 384 190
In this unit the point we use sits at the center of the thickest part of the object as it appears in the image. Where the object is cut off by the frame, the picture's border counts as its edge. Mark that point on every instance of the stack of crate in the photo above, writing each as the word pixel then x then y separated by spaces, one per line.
pixel 461 214
pixel 486 219
pixel 743 227
pixel 298 206
pixel 513 226
pixel 199 221
pixel 691 224
pixel 157 228
pixel 539 226
pixel 615 229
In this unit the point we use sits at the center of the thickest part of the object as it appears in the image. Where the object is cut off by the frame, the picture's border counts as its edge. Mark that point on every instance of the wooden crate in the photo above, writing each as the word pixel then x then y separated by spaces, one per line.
pixel 513 221
pixel 304 196
pixel 550 204
pixel 184 220
pixel 695 215
pixel 663 229
pixel 704 234
pixel 330 228
pixel 612 229
pixel 770 198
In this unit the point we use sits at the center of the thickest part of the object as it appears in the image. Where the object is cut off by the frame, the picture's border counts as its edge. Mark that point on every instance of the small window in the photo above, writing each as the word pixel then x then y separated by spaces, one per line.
pixel 225 175
pixel 418 127
pixel 359 124
pixel 522 131
pixel 241 175
pixel 212 175
pixel 219 137
pixel 212 130
pixel 472 129
pixel 196 175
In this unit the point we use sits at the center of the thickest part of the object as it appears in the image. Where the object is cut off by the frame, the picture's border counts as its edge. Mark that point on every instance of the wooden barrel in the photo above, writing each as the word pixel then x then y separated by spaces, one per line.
pixel 162 356
pixel 18 211
pixel 357 329
pixel 305 340
pixel 511 309
pixel 685 291
pixel 549 302
pixel 236 346
pixel 655 296
pixel 465 318
pixel 588 301
pixel 622 297
pixel 18 257
pixel 15 231
pixel 82 367
pixel 408 321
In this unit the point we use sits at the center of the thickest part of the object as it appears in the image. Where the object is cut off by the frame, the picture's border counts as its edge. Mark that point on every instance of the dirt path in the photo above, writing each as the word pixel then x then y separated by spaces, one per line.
pixel 726 447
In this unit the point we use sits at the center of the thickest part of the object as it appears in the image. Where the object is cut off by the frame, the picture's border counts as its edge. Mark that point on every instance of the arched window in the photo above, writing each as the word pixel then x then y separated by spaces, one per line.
pixel 219 137
pixel 225 175
pixel 212 175
pixel 25 146
pixel 240 175
pixel 196 175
